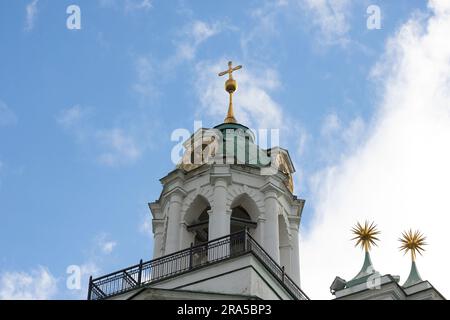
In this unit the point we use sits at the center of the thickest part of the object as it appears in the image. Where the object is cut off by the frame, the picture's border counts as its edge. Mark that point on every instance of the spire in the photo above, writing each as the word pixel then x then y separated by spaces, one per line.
pixel 413 242
pixel 230 87
pixel 366 237
pixel 367 267
pixel 414 276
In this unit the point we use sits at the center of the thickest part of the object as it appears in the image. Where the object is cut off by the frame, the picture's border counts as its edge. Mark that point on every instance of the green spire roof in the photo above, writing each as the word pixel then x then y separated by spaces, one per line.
pixel 414 276
pixel 366 271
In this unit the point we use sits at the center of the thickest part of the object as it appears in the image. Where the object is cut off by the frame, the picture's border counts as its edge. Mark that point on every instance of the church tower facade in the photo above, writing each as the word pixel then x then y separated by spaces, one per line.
pixel 225 184
pixel 212 201
pixel 226 224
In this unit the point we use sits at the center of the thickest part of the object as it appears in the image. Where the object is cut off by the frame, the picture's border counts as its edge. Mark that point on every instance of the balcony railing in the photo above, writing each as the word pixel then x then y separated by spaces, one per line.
pixel 186 260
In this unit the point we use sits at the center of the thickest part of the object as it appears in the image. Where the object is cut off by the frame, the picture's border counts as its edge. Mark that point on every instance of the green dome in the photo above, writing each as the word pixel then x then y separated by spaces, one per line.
pixel 239 141
pixel 224 127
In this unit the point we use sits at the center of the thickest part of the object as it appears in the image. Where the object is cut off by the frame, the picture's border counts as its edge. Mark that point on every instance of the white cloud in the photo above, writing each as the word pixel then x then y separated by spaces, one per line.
pixel 331 124
pixel 70 117
pixel 131 5
pixel 128 5
pixel 186 44
pixel 330 17
pixel 328 20
pixel 112 146
pixel 31 14
pixel 339 137
pixel 146 74
pixel 189 40
pixel 76 121
pixel 120 147
pixel 7 117
pixel 108 247
pixel 39 284
pixel 145 226
pixel 258 42
pixel 104 244
pixel 399 175
pixel 254 106
pixel 354 132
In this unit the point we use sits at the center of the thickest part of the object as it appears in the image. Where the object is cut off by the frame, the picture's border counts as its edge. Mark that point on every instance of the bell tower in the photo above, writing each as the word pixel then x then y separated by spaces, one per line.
pixel 225 184
pixel 225 224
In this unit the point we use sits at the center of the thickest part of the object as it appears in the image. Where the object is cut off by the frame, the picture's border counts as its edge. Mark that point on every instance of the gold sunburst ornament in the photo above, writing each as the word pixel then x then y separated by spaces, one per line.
pixel 413 242
pixel 365 235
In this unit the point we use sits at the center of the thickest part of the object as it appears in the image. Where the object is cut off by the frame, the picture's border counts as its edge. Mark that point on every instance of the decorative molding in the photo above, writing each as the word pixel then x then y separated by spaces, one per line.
pixel 220 171
pixel 283 214
pixel 172 176
pixel 164 238
pixel 178 190
pixel 269 186
pixel 206 192
pixel 235 190
pixel 155 209
pixel 158 224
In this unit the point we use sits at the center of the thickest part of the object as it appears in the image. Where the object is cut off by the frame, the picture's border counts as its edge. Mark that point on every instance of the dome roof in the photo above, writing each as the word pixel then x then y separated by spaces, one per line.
pixel 235 128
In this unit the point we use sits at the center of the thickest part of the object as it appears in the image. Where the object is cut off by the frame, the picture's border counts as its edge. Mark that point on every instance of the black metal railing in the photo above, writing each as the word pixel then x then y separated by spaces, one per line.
pixel 198 256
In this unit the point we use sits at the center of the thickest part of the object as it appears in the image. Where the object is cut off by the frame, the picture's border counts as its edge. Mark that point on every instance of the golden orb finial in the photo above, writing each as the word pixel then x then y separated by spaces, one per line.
pixel 365 235
pixel 412 241
pixel 230 87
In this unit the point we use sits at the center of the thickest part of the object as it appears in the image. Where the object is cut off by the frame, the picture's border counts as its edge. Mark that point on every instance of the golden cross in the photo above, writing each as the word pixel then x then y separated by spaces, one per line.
pixel 230 87
pixel 230 70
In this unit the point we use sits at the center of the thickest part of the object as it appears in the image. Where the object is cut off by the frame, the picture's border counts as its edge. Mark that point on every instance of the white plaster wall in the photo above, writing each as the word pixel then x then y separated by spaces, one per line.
pixel 230 277
pixel 239 180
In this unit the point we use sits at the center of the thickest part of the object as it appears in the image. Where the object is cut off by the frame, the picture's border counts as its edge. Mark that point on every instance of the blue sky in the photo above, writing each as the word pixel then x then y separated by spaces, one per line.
pixel 86 115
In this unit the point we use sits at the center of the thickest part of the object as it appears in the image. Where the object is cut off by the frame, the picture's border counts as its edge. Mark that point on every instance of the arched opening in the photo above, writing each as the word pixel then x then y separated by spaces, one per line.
pixel 200 227
pixel 240 220
pixel 245 214
pixel 197 221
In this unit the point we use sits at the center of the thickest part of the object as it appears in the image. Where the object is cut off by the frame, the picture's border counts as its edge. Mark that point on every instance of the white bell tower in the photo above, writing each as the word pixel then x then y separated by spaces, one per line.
pixel 225 184
pixel 225 225
pixel 216 200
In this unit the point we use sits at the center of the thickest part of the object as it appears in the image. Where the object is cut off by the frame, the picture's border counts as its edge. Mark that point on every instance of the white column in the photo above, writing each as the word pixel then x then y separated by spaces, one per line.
pixel 271 240
pixel 295 262
pixel 219 216
pixel 259 234
pixel 158 234
pixel 286 258
pixel 173 227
